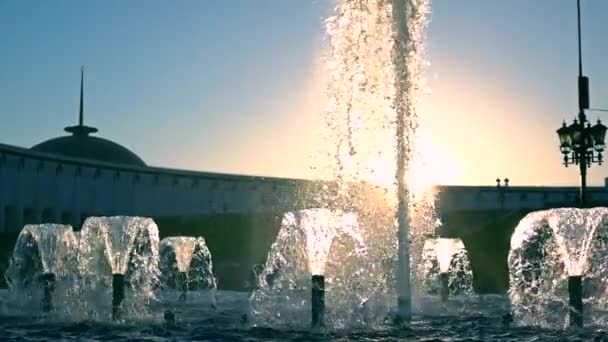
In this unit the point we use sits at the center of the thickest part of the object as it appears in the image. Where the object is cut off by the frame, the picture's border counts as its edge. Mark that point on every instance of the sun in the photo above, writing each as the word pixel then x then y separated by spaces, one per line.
pixel 431 165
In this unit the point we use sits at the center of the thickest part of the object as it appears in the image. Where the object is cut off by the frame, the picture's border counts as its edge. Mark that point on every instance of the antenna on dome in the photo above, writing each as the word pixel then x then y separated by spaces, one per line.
pixel 81 129
pixel 81 112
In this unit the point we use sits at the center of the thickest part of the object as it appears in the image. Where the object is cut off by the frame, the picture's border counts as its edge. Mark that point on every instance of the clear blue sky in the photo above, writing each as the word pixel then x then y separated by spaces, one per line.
pixel 235 85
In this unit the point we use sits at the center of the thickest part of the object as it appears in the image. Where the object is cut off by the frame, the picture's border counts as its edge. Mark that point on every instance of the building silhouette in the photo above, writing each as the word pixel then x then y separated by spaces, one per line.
pixel 72 177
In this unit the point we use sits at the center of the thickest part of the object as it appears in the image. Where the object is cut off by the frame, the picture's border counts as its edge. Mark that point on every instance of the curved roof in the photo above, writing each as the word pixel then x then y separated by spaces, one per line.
pixel 83 146
pixel 88 147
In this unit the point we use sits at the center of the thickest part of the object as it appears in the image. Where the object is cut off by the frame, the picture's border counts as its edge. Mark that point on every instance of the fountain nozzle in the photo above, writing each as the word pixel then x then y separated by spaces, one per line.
pixel 318 301
pixel 182 285
pixel 118 296
pixel 48 284
pixel 444 286
pixel 575 294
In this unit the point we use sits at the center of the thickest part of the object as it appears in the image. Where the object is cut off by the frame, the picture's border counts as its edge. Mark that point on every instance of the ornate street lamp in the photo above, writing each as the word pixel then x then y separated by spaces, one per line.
pixel 580 143
pixel 583 145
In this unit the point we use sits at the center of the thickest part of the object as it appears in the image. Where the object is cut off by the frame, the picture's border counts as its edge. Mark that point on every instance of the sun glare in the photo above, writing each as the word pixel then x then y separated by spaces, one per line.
pixel 432 165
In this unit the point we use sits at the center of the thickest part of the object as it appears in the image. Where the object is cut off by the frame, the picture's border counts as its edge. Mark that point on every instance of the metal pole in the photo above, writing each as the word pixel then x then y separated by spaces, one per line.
pixel 118 296
pixel 580 54
pixel 575 292
pixel 583 103
pixel 318 301
pixel 575 283
pixel 48 285
pixel 444 286
pixel 583 168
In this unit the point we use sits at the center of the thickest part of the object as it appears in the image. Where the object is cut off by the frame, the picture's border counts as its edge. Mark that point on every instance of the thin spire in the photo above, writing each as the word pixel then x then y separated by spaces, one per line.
pixel 81 113
pixel 81 129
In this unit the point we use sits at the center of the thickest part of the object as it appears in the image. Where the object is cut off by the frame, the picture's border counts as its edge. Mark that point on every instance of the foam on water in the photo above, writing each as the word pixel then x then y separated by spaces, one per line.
pixel 546 248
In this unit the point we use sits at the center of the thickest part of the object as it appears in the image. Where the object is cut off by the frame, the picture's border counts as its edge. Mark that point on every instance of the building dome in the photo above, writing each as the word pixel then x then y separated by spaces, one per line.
pixel 88 147
pixel 83 146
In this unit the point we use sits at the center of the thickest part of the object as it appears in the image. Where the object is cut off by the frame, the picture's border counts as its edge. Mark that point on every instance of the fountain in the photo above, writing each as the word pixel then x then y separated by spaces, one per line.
pixel 43 253
pixel 446 268
pixel 558 267
pixel 123 250
pixel 373 67
pixel 186 264
pixel 303 264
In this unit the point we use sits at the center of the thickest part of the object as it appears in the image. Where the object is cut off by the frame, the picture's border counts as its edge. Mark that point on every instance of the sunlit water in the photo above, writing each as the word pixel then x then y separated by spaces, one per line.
pixel 190 257
pixel 374 70
pixel 442 255
pixel 315 242
pixel 83 264
pixel 546 248
pixel 40 249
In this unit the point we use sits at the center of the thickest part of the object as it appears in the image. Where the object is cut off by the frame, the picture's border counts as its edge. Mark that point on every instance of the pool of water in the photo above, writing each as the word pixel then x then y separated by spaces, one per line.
pixel 197 320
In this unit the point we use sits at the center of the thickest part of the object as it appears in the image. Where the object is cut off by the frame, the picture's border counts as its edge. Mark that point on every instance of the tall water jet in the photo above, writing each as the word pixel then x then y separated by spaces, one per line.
pixel 42 254
pixel 558 267
pixel 376 56
pixel 185 263
pixel 313 263
pixel 446 268
pixel 124 251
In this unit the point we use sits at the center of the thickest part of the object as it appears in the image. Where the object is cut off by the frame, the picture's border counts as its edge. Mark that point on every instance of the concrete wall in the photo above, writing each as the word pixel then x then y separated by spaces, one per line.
pixel 458 198
pixel 37 188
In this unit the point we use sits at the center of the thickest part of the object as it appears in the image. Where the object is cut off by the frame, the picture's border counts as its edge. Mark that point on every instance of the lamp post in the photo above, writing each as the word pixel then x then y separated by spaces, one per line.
pixel 583 145
pixel 580 143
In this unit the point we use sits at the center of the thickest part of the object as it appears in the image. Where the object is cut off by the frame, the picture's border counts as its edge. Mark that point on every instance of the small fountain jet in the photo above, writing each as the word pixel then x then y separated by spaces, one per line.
pixel 42 252
pixel 186 263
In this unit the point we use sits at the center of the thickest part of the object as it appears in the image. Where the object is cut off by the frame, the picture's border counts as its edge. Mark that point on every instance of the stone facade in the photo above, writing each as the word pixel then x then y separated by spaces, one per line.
pixel 38 187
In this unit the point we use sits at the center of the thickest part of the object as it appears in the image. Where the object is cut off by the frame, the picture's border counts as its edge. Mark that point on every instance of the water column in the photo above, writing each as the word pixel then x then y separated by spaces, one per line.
pixel 404 299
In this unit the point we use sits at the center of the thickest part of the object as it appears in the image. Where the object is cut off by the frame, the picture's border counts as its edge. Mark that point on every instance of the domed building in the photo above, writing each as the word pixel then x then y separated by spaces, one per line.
pixel 69 178
pixel 81 145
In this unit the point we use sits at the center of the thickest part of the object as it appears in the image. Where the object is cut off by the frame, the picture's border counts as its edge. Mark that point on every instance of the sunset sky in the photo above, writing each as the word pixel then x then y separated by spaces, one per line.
pixel 238 85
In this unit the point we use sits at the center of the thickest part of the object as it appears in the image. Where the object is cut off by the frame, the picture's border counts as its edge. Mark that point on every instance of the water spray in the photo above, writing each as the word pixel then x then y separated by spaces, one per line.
pixel 575 294
pixel 404 296
pixel 48 284
pixel 118 296
pixel 444 286
pixel 318 301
